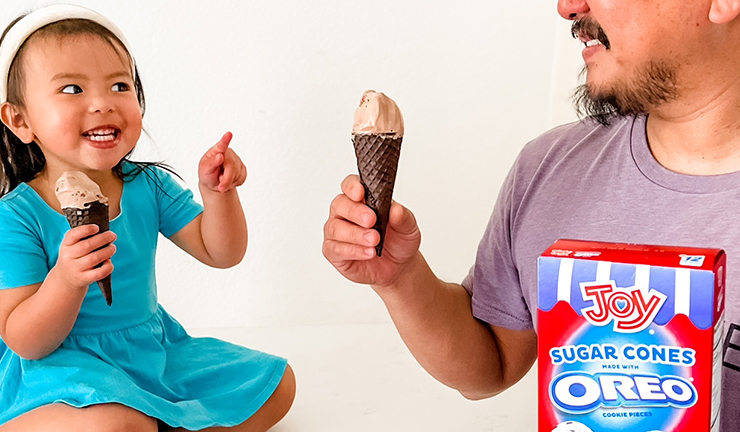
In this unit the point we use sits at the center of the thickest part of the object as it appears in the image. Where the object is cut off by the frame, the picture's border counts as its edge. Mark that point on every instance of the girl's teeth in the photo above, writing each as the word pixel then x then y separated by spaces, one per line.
pixel 110 137
pixel 101 135
pixel 593 42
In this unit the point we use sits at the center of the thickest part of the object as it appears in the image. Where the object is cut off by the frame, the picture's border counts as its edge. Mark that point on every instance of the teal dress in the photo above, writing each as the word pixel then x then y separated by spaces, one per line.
pixel 133 352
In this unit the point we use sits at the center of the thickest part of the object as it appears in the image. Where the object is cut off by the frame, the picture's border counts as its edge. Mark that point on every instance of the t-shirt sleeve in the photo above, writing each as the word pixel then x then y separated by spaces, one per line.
pixel 22 257
pixel 176 205
pixel 493 281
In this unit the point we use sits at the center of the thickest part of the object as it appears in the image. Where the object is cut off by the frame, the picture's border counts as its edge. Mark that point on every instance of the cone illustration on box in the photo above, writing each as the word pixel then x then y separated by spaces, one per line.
pixel 83 203
pixel 377 135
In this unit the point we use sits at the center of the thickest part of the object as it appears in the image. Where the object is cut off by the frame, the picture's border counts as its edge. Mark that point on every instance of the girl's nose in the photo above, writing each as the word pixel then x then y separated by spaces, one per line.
pixel 101 104
pixel 571 9
pixel 100 101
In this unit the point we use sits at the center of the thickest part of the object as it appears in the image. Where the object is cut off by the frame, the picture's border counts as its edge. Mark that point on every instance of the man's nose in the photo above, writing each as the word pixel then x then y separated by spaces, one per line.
pixel 571 9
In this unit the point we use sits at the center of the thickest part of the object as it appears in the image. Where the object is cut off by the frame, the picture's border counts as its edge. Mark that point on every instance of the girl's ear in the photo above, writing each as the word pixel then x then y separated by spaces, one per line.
pixel 724 11
pixel 14 119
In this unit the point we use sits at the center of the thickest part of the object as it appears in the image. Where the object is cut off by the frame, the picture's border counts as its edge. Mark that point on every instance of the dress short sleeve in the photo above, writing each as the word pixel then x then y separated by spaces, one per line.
pixel 176 205
pixel 22 257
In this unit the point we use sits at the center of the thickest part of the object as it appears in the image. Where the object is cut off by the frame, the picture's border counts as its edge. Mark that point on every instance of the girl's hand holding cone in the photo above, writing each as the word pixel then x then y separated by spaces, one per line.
pixel 350 240
pixel 81 251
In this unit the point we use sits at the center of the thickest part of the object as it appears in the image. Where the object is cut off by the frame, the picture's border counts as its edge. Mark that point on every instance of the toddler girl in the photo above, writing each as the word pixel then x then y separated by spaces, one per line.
pixel 72 101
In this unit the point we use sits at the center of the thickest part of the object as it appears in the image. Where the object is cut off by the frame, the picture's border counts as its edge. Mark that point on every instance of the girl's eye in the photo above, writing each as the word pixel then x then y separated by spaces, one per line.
pixel 120 87
pixel 72 89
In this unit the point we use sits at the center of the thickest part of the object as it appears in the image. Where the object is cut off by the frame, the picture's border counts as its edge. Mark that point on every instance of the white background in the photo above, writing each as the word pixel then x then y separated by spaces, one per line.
pixel 475 80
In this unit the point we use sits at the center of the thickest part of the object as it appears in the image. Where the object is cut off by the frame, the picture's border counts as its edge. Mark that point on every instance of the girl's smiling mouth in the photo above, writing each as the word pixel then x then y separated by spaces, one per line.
pixel 103 134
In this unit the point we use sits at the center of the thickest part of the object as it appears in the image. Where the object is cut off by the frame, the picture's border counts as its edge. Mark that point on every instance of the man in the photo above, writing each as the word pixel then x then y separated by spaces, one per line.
pixel 656 161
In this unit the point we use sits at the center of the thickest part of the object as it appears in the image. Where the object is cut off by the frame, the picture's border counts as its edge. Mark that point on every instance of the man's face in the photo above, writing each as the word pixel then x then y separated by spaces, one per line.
pixel 636 51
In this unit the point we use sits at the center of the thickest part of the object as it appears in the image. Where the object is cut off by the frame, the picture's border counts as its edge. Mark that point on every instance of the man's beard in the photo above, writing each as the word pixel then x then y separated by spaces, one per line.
pixel 654 85
pixel 651 86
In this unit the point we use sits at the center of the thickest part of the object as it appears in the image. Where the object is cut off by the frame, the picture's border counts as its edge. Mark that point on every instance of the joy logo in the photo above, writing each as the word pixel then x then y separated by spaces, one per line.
pixel 632 309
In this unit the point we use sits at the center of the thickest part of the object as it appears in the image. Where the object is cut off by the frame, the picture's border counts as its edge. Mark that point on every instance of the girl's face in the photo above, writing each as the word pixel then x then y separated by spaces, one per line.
pixel 80 102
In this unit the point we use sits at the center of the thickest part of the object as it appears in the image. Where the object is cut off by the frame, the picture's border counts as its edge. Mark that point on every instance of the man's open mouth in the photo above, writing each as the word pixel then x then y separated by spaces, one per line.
pixel 589 32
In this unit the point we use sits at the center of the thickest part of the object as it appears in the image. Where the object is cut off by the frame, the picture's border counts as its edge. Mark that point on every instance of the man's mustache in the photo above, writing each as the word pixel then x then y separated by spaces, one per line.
pixel 588 28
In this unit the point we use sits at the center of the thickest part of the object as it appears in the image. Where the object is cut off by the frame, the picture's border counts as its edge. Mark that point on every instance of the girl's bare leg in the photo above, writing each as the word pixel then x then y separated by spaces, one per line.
pixel 270 413
pixel 59 417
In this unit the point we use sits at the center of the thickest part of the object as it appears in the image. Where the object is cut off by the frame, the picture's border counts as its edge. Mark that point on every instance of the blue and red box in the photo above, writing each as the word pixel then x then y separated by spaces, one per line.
pixel 630 337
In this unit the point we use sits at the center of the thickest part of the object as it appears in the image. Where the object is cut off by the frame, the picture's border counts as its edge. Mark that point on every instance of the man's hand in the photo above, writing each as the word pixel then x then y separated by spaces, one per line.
pixel 349 240
pixel 220 169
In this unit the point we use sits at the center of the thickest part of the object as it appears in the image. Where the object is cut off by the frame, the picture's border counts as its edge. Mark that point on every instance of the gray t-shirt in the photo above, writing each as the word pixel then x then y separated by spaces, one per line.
pixel 590 182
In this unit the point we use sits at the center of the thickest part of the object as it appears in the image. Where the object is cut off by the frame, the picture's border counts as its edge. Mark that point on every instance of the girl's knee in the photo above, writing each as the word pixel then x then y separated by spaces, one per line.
pixel 282 398
pixel 119 418
pixel 285 391
pixel 95 418
pixel 288 385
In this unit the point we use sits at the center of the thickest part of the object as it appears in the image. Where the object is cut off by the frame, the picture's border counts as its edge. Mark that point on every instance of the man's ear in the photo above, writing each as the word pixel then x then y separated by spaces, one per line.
pixel 15 120
pixel 724 11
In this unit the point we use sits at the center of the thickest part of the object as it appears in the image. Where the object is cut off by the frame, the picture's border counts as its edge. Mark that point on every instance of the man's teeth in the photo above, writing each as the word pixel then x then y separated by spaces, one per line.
pixel 593 42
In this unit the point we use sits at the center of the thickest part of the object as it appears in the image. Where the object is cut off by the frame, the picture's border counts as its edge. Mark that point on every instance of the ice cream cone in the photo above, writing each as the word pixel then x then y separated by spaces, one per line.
pixel 377 134
pixel 96 213
pixel 83 204
pixel 377 162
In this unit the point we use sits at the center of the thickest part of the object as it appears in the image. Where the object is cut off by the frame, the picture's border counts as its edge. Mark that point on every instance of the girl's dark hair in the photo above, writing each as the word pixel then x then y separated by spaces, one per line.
pixel 21 162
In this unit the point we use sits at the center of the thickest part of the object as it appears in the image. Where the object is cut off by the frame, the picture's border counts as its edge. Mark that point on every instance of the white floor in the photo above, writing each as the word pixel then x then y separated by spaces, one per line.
pixel 361 378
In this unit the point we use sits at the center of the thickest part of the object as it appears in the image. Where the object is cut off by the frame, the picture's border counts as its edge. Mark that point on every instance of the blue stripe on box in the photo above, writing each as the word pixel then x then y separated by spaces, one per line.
pixel 701 309
pixel 623 275
pixel 663 279
pixel 583 271
pixel 547 276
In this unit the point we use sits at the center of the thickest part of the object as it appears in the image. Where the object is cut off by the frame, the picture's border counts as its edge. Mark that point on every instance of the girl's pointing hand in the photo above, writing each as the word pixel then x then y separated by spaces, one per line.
pixel 220 169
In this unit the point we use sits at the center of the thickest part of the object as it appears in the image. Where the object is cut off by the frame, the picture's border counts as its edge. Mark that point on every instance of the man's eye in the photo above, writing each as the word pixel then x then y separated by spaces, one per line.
pixel 72 89
pixel 120 87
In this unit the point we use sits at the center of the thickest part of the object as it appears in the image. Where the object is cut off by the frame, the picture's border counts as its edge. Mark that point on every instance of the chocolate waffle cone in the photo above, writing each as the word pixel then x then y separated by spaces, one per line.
pixel 96 213
pixel 377 162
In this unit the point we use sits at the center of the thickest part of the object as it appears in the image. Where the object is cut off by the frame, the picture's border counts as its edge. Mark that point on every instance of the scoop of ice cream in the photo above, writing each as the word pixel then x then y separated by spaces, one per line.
pixel 74 189
pixel 378 114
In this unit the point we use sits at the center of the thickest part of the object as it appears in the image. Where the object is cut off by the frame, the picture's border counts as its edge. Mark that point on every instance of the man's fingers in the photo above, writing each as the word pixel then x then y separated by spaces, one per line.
pixel 337 252
pixel 343 231
pixel 352 187
pixel 401 219
pixel 344 207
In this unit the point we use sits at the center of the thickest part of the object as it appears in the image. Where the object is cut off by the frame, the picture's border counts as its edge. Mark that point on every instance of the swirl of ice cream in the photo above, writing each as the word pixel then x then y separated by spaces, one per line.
pixel 74 189
pixel 378 114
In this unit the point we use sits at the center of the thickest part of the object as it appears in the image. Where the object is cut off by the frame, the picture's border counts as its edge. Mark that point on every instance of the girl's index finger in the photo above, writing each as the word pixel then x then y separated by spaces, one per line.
pixel 220 147
pixel 224 142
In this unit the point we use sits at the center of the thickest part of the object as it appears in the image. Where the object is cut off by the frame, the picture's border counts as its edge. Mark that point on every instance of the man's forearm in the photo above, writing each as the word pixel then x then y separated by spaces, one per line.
pixel 435 321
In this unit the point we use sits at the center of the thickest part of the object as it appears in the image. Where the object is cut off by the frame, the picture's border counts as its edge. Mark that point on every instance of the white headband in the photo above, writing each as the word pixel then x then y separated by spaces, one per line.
pixel 25 27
